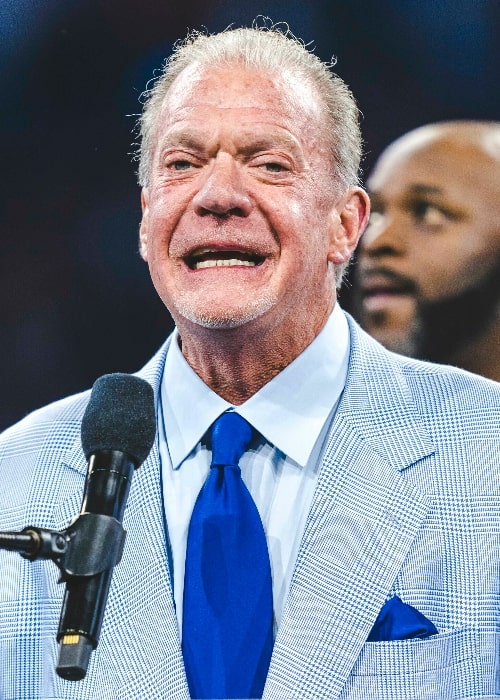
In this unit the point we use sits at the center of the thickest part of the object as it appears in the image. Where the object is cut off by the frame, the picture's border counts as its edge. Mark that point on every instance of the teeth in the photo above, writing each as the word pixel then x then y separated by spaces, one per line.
pixel 200 264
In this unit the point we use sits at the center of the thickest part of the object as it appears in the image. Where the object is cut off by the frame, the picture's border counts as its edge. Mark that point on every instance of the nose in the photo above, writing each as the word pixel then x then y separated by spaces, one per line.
pixel 384 235
pixel 222 193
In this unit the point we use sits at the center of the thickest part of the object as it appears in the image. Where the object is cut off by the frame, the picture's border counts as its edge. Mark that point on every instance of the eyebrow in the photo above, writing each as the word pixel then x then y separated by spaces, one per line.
pixel 191 139
pixel 413 190
pixel 425 189
pixel 255 143
pixel 182 138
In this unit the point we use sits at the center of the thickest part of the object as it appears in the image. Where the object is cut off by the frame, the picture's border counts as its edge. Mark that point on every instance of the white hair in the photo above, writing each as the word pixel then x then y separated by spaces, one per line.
pixel 275 49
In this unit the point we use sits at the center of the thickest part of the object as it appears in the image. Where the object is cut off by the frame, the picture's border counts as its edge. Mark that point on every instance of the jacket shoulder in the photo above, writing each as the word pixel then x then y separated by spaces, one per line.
pixel 390 392
pixel 61 415
pixel 422 378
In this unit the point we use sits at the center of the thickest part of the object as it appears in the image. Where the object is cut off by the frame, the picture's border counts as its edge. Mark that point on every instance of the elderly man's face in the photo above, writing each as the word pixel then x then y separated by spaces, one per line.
pixel 241 222
pixel 430 255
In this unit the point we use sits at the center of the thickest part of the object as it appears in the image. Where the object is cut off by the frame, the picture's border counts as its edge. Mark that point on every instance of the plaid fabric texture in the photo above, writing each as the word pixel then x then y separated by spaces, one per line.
pixel 407 503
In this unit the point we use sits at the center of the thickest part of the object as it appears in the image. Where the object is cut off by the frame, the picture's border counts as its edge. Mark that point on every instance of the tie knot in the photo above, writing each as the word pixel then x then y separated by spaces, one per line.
pixel 231 435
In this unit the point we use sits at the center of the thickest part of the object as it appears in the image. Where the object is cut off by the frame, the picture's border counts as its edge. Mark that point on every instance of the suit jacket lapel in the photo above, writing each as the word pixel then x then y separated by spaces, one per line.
pixel 363 521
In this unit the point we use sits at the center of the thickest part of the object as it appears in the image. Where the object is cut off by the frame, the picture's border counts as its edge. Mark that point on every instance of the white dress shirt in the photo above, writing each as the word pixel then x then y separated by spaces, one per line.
pixel 291 413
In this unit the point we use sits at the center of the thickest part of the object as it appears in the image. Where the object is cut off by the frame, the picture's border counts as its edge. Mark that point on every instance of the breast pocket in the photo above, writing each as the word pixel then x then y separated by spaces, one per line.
pixel 443 667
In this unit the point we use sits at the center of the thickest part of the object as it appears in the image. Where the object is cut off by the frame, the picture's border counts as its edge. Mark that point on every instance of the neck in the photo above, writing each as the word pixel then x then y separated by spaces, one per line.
pixel 235 363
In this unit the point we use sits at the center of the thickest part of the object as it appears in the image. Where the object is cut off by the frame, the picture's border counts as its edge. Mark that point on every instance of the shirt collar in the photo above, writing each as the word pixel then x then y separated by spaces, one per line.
pixel 289 411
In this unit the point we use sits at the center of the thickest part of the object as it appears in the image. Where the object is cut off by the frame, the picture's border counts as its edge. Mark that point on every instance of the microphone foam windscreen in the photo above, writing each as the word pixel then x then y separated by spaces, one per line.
pixel 120 416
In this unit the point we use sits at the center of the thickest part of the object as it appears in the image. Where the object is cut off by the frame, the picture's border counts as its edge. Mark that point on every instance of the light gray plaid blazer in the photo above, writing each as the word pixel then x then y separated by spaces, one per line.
pixel 407 503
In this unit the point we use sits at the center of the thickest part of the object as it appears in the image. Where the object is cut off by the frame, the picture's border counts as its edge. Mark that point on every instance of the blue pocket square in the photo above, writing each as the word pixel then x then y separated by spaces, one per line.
pixel 398 620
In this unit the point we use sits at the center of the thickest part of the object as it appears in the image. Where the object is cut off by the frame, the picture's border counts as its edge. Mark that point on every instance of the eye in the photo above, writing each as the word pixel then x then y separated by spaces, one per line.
pixel 180 165
pixel 274 167
pixel 176 162
pixel 271 166
pixel 430 214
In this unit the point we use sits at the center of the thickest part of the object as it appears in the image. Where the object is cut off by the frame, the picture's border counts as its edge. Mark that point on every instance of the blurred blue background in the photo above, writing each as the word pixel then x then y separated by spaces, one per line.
pixel 77 301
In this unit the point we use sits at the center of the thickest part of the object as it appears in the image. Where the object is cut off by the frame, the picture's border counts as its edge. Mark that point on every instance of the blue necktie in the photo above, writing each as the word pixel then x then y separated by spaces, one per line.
pixel 227 633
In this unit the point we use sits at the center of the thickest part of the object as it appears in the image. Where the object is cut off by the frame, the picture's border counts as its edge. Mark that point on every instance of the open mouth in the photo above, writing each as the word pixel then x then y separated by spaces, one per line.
pixel 204 258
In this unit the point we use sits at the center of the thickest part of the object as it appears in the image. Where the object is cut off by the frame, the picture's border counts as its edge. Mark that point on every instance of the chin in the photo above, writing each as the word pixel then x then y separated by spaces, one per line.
pixel 208 316
pixel 402 344
pixel 404 341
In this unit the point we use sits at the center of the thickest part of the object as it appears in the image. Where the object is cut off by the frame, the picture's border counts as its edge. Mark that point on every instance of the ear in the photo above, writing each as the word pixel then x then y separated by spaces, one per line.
pixel 143 229
pixel 349 221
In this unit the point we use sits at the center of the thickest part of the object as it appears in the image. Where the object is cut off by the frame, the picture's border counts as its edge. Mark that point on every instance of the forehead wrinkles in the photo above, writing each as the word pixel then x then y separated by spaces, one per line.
pixel 283 101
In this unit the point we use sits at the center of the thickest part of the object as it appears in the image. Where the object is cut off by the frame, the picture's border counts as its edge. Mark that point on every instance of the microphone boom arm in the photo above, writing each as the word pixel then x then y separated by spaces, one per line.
pixel 92 544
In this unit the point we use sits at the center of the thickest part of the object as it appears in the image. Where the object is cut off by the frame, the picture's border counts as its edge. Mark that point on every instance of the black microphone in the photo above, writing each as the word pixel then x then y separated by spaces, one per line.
pixel 118 431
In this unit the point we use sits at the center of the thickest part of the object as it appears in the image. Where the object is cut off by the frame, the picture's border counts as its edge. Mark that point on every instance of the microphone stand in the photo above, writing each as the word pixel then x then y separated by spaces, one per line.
pixel 90 546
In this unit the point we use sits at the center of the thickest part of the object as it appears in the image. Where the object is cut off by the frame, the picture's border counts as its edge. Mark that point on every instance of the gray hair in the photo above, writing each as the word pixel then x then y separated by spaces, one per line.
pixel 273 48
